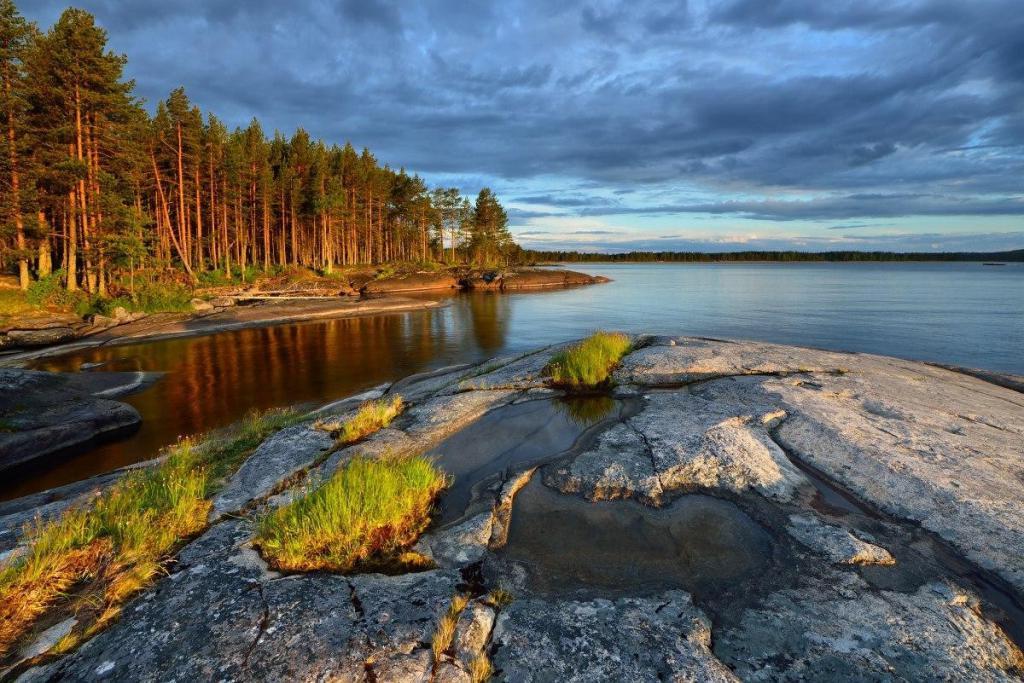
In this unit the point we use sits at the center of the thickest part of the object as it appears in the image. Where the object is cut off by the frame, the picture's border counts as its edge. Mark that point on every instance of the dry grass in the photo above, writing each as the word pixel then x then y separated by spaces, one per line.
pixel 366 515
pixel 371 417
pixel 499 598
pixel 445 632
pixel 115 547
pixel 589 363
pixel 480 669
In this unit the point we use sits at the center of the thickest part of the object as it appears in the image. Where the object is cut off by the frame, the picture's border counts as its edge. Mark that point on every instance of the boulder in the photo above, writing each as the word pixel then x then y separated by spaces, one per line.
pixel 201 306
pixel 411 282
pixel 40 337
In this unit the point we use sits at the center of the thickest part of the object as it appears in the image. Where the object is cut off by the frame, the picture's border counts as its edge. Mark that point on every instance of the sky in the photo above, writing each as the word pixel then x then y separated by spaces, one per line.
pixel 710 125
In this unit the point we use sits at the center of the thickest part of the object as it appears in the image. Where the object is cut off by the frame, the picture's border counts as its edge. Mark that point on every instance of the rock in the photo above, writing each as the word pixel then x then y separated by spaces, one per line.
pixel 282 455
pixel 102 322
pixel 697 442
pixel 473 631
pixel 836 543
pixel 818 633
pixel 120 313
pixel 630 639
pixel 448 672
pixel 617 466
pixel 201 306
pixel 461 544
pixel 503 506
pixel 43 413
pixel 518 372
pixel 48 639
pixel 42 337
pixel 489 280
pixel 223 301
pixel 531 278
pixel 414 668
pixel 411 282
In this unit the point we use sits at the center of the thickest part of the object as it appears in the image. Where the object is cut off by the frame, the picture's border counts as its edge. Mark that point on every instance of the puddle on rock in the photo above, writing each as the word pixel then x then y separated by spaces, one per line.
pixel 516 436
pixel 566 544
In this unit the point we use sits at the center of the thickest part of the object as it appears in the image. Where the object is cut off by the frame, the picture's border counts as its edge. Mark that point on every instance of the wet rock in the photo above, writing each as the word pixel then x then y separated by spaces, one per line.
pixel 836 543
pixel 437 418
pixel 42 413
pixel 630 639
pixel 617 466
pixel 841 632
pixel 503 506
pixel 285 453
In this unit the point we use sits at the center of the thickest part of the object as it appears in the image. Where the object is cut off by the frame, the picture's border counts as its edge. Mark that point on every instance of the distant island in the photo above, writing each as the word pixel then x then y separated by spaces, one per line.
pixel 1017 255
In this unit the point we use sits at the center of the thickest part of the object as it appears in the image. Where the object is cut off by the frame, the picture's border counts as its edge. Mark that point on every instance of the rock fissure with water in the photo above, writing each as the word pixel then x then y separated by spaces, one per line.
pixel 696 525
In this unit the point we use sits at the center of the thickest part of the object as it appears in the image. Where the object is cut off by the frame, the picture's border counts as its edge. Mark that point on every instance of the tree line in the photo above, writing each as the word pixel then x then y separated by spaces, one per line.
pixel 729 256
pixel 98 190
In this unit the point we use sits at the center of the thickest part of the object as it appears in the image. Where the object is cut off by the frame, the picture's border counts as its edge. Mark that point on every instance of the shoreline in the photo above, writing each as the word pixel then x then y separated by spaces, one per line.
pixel 164 326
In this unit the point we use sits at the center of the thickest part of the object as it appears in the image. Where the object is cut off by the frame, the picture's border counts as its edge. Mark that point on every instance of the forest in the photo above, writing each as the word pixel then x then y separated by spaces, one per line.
pixel 99 195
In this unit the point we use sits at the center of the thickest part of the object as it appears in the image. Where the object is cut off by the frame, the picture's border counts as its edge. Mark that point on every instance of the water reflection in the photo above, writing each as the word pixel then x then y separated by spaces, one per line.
pixel 955 313
pixel 586 410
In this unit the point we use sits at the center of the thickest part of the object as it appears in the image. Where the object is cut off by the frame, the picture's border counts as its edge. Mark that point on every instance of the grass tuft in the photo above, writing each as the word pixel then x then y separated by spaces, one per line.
pixel 480 669
pixel 115 547
pixel 445 632
pixel 589 363
pixel 499 598
pixel 366 515
pixel 371 417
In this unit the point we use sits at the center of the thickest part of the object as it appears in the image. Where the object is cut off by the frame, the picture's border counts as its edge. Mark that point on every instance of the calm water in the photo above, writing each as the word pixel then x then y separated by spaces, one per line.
pixel 965 314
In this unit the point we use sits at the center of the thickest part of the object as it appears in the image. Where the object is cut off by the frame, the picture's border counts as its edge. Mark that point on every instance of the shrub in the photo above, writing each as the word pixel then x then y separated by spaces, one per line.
pixel 364 516
pixel 588 363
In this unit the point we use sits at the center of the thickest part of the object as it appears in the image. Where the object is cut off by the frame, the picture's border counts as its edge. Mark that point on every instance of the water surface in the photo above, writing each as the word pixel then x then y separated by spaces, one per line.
pixel 960 313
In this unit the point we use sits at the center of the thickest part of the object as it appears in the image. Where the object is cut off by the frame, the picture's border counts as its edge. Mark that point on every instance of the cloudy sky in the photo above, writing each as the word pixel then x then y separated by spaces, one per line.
pixel 710 124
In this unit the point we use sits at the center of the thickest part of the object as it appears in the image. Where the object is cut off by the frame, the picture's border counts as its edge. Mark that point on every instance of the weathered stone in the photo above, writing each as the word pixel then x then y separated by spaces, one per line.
pixel 531 278
pixel 698 443
pixel 41 337
pixel 414 668
pixel 617 466
pixel 836 543
pixel 449 672
pixel 520 372
pixel 400 613
pixel 48 638
pixel 473 631
pixel 846 633
pixel 281 456
pixel 503 506
pixel 223 301
pixel 461 544
pixel 201 306
pixel 411 282
pixel 630 639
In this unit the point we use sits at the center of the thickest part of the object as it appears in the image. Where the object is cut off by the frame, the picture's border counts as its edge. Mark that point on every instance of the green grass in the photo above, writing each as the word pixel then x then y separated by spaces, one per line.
pixel 108 551
pixel 366 515
pixel 589 363
pixel 371 417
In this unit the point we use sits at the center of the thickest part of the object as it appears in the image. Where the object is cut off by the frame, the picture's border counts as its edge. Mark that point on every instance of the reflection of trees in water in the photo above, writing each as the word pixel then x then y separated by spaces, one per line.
pixel 490 314
pixel 586 410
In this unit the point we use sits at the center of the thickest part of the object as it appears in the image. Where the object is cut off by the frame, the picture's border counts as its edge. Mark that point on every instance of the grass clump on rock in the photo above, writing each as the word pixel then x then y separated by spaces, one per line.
pixel 589 363
pixel 90 560
pixel 365 516
pixel 371 416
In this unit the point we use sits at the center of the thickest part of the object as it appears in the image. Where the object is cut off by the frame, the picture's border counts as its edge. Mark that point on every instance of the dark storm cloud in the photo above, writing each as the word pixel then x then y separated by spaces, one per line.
pixel 853 108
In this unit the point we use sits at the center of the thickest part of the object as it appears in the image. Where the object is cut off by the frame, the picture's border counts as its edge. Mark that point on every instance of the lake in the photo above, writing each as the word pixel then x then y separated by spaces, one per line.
pixel 959 313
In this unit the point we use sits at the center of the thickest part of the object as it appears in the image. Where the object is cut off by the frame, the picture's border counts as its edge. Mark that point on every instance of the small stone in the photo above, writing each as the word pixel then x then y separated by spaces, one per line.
pixel 836 543
pixel 201 306
pixel 49 638
pixel 473 631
